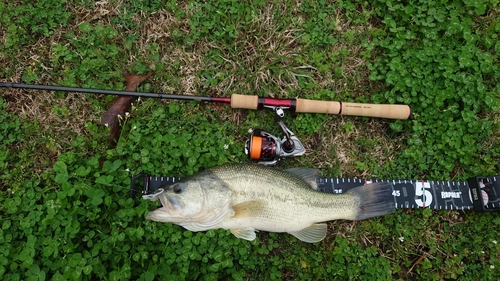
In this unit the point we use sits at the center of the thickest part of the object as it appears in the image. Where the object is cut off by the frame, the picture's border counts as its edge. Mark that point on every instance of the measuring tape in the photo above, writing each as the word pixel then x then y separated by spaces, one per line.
pixel 480 193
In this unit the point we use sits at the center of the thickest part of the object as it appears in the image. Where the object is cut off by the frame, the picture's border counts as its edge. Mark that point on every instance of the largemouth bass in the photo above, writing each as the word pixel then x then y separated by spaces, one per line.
pixel 245 198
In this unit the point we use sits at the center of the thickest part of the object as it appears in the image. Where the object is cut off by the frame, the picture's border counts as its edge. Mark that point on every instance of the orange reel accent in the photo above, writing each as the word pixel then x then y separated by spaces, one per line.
pixel 255 147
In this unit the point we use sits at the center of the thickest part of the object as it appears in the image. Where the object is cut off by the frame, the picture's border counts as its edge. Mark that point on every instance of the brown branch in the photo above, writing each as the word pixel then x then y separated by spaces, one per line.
pixel 417 262
pixel 121 105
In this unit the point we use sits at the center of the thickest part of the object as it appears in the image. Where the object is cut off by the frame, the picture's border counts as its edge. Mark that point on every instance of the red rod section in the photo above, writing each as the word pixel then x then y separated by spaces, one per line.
pixel 285 103
pixel 224 100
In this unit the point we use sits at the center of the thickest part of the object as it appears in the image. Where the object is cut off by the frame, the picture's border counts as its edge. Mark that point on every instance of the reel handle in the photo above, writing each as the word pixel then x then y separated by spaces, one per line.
pixel 391 111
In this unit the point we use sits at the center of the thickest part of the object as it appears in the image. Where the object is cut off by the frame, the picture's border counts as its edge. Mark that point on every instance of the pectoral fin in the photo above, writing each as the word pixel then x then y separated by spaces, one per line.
pixel 249 209
pixel 311 234
pixel 244 233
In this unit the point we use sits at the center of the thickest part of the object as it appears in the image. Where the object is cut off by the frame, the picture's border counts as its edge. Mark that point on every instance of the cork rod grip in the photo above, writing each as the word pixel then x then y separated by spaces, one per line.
pixel 391 111
pixel 317 106
pixel 244 101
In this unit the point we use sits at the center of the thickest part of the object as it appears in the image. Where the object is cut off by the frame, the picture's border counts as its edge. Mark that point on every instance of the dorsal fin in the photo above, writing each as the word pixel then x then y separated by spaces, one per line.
pixel 309 175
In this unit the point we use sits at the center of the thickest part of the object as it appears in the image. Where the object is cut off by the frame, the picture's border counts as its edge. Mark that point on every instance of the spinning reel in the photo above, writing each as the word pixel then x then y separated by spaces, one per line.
pixel 269 149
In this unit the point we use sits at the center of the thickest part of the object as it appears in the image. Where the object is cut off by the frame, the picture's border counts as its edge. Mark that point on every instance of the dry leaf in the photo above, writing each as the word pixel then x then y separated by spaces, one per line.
pixel 120 106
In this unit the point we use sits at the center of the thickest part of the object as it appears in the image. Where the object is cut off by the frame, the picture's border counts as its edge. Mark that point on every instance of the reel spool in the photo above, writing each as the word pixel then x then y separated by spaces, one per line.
pixel 262 147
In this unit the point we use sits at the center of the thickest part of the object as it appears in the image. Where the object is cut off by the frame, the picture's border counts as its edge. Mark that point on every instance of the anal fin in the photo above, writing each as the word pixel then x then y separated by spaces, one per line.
pixel 244 233
pixel 312 234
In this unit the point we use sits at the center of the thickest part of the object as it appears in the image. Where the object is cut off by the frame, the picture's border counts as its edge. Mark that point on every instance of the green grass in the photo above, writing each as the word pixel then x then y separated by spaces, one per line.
pixel 64 206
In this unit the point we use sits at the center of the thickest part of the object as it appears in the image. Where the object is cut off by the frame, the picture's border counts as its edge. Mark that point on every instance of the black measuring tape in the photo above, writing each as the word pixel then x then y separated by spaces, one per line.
pixel 479 193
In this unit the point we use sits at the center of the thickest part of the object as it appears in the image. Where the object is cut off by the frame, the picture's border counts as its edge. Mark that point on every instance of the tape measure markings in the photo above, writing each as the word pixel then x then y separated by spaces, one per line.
pixel 480 193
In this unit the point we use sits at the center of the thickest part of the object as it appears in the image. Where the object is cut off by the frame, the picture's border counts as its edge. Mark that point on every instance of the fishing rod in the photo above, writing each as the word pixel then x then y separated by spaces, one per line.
pixel 391 111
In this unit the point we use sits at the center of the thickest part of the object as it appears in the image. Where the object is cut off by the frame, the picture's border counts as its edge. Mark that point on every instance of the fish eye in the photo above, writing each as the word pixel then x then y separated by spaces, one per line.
pixel 178 188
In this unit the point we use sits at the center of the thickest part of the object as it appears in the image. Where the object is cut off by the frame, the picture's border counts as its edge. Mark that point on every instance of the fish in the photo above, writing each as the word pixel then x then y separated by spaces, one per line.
pixel 245 198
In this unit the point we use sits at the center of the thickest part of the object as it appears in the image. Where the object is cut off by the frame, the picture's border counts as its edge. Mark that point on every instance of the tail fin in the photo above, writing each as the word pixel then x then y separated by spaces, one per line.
pixel 375 200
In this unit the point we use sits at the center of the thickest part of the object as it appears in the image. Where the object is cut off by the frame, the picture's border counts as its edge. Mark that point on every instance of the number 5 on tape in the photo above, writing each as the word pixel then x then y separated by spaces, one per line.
pixel 423 197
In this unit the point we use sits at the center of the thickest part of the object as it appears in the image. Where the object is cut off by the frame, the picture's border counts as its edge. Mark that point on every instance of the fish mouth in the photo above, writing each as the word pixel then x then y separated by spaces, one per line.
pixel 168 203
pixel 171 208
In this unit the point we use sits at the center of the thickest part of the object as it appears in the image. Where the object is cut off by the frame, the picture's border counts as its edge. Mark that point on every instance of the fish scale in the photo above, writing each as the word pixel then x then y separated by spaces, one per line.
pixel 245 198
pixel 279 180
